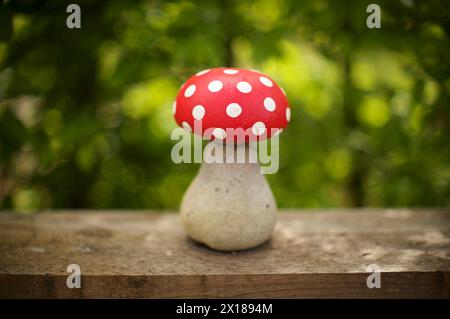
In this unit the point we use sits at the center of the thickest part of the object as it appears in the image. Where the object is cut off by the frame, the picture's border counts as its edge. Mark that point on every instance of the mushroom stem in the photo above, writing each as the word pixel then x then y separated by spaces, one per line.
pixel 229 206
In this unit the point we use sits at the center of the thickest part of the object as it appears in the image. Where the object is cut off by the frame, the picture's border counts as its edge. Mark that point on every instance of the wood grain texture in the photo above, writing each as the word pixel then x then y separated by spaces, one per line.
pixel 312 254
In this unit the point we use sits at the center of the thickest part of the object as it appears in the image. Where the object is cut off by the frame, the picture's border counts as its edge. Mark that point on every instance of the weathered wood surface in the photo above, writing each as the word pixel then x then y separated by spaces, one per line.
pixel 141 255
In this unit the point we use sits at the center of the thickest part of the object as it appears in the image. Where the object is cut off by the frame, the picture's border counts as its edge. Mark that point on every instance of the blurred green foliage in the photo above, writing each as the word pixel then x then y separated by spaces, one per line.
pixel 85 115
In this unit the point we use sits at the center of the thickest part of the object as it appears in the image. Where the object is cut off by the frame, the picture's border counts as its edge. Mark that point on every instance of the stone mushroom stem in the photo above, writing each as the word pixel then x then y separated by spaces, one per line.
pixel 229 206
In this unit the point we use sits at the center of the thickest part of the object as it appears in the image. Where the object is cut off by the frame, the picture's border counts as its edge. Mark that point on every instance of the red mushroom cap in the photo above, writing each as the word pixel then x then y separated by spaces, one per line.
pixel 226 99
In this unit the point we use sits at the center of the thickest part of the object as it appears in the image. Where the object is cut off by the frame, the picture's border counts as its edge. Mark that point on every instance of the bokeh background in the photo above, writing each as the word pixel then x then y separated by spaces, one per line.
pixel 85 114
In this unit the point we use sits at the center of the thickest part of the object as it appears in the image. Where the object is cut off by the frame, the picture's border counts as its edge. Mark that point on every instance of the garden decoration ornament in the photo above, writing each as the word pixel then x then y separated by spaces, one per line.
pixel 229 205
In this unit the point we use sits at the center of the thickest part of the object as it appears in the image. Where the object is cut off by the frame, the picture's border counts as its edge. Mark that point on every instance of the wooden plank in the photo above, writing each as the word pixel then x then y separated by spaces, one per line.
pixel 316 254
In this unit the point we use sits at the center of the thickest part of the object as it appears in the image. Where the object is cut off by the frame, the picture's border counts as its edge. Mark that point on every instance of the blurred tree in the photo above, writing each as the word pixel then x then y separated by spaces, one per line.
pixel 85 115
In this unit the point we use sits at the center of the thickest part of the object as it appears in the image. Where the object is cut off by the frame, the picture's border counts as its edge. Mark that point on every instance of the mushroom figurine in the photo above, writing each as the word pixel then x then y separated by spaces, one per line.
pixel 229 206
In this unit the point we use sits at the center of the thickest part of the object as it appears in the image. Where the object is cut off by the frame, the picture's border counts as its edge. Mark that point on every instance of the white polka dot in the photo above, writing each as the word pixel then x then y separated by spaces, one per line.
pixel 202 72
pixel 234 110
pixel 215 86
pixel 186 126
pixel 278 132
pixel 269 104
pixel 198 112
pixel 244 87
pixel 219 133
pixel 174 107
pixel 190 90
pixel 266 81
pixel 258 128
pixel 288 114
pixel 284 92
pixel 230 71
